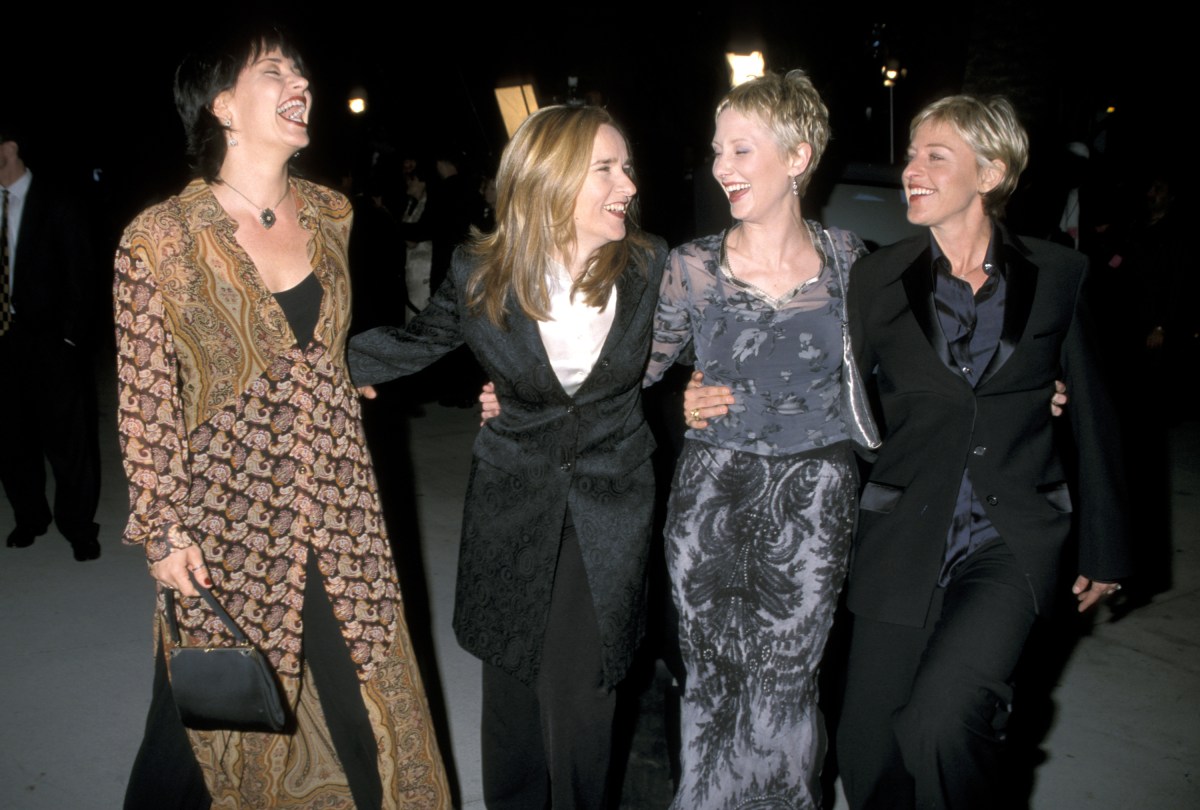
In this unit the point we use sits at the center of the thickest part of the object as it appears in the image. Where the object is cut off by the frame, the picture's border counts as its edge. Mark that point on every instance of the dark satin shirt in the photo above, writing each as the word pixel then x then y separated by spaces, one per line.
pixel 972 324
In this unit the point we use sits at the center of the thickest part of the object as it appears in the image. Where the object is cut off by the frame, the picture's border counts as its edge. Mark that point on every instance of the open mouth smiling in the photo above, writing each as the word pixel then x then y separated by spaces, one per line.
pixel 293 110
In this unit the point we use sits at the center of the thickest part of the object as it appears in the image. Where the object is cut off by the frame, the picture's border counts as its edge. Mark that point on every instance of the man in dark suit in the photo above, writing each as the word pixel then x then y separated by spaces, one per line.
pixel 47 411
pixel 967 511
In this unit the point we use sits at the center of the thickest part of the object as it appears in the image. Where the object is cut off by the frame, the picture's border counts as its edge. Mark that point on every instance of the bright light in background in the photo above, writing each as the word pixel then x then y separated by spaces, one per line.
pixel 516 104
pixel 891 72
pixel 357 101
pixel 744 66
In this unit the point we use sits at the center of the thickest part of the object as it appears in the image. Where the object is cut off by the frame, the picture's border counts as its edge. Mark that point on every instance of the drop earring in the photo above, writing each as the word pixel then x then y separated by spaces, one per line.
pixel 795 186
pixel 228 124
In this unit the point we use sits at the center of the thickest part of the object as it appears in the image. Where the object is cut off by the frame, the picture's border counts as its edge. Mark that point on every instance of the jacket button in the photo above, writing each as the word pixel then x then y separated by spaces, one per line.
pixel 565 466
pixel 992 500
pixel 571 409
pixel 979 450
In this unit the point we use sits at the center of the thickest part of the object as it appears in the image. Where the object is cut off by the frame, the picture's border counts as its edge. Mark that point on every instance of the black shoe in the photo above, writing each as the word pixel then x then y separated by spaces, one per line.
pixel 23 537
pixel 86 547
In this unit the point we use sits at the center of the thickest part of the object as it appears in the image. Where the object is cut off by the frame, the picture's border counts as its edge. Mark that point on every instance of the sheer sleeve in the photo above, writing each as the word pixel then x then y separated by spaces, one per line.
pixel 149 412
pixel 673 318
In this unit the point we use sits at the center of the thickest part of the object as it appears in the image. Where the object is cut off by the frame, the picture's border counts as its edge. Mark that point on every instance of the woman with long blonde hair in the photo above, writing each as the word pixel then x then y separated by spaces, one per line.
pixel 557 305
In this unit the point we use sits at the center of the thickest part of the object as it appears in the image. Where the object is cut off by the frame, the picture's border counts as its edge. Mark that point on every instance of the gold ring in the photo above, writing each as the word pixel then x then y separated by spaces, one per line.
pixel 695 414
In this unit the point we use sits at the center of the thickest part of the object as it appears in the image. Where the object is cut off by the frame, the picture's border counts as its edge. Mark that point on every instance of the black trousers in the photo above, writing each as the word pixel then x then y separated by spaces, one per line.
pixel 926 707
pixel 48 413
pixel 165 773
pixel 550 744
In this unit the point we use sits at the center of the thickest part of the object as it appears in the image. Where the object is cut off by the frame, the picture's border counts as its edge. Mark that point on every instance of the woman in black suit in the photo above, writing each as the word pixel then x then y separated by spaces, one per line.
pixel 557 305
pixel 966 511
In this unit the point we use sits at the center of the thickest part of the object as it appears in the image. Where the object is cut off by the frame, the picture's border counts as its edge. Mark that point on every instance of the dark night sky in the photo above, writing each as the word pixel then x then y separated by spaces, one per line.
pixel 98 94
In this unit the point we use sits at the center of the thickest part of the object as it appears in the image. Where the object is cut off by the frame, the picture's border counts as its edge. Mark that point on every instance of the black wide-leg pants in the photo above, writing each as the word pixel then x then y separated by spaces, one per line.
pixel 165 773
pixel 550 744
pixel 926 707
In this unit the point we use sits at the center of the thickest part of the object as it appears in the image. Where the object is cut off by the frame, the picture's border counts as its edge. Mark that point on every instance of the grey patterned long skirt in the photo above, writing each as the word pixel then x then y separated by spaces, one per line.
pixel 757 551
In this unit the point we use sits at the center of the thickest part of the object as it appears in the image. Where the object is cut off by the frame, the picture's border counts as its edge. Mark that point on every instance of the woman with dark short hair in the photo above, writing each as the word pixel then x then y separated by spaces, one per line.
pixel 247 465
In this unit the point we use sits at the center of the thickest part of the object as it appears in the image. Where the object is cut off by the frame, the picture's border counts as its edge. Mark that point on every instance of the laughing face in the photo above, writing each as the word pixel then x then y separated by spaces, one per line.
pixel 607 190
pixel 943 180
pixel 755 172
pixel 269 105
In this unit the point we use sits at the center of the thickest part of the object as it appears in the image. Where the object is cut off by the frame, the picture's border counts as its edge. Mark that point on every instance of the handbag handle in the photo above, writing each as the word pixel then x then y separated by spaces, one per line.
pixel 841 274
pixel 206 595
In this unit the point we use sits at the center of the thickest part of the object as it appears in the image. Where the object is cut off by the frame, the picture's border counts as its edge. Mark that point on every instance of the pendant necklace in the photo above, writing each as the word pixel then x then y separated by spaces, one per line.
pixel 266 215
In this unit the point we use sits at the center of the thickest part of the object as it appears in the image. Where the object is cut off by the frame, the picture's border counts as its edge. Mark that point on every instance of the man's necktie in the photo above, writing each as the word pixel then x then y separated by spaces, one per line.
pixel 5 288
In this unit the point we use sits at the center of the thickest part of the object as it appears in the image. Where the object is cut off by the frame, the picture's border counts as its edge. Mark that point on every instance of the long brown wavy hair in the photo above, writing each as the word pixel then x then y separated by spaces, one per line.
pixel 541 173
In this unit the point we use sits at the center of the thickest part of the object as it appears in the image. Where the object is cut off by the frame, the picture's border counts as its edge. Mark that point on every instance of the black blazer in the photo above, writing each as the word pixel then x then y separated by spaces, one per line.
pixel 546 452
pixel 52 267
pixel 935 423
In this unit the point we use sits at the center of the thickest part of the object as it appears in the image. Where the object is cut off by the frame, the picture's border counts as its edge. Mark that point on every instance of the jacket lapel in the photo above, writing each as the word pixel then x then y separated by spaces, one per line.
pixel 31 215
pixel 629 292
pixel 630 286
pixel 918 286
pixel 1020 279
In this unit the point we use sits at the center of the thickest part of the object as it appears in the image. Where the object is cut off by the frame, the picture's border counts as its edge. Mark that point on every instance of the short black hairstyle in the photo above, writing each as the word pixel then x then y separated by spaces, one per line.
pixel 10 130
pixel 212 69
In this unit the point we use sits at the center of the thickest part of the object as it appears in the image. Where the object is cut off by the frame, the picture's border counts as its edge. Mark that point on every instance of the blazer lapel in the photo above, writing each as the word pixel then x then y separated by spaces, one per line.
pixel 629 293
pixel 1020 280
pixel 918 285
pixel 32 214
pixel 630 286
pixel 527 344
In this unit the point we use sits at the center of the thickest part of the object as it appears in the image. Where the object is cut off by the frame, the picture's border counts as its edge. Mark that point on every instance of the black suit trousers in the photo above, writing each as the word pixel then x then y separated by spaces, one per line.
pixel 550 745
pixel 926 707
pixel 48 413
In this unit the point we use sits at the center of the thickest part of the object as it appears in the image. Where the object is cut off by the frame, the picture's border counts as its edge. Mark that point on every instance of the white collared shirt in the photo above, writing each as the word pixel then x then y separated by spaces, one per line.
pixel 576 332
pixel 17 193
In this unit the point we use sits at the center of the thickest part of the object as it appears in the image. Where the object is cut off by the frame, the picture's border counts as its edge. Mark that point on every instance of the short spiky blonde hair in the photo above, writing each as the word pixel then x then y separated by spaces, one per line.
pixel 541 173
pixel 992 130
pixel 789 106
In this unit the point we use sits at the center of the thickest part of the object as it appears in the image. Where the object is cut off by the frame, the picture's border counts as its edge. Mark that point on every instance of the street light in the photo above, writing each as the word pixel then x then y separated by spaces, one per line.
pixel 892 72
pixel 744 66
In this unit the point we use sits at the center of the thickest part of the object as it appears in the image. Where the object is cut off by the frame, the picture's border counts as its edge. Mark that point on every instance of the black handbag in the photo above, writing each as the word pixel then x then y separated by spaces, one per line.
pixel 228 688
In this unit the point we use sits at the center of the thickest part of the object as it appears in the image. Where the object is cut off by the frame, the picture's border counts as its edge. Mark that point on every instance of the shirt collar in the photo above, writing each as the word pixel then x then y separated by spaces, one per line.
pixel 991 263
pixel 21 187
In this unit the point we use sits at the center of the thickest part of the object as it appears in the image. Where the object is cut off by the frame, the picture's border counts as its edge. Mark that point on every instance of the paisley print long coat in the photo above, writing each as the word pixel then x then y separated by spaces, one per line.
pixel 242 442
pixel 546 452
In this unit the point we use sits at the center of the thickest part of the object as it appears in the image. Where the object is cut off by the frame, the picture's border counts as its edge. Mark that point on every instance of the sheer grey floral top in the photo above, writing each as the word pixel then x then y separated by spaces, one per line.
pixel 782 357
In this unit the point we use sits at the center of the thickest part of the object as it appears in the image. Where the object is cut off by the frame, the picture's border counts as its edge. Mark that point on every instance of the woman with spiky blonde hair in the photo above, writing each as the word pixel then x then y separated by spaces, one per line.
pixel 762 508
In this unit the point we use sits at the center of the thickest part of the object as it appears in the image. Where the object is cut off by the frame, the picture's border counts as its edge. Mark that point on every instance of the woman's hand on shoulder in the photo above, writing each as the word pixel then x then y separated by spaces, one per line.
pixel 704 402
pixel 490 403
pixel 172 570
